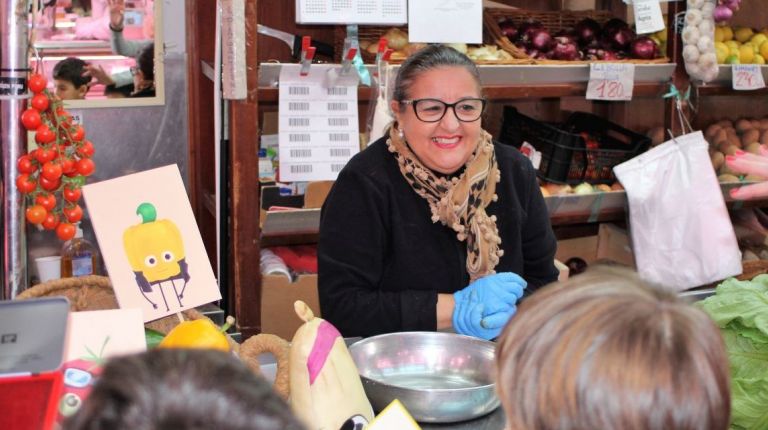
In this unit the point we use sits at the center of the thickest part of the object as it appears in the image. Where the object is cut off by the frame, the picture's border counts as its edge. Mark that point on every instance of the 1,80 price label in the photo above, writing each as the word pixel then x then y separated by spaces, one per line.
pixel 611 81
pixel 747 77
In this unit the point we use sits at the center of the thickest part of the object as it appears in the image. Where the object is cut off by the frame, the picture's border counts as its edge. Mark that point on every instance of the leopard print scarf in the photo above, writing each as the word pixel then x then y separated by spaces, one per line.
pixel 459 202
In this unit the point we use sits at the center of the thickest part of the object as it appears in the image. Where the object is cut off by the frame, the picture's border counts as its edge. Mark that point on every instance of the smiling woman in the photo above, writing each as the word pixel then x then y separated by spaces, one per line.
pixel 111 37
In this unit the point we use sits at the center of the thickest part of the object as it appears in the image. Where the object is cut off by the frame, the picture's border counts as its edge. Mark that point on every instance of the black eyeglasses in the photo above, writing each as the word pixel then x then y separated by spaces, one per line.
pixel 433 110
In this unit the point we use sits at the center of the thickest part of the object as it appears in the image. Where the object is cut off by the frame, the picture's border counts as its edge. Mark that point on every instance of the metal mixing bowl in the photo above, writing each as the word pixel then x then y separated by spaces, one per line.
pixel 439 377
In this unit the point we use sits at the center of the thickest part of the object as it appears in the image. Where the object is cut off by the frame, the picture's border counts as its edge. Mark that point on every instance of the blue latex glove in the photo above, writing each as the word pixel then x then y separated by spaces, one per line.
pixel 497 292
pixel 468 318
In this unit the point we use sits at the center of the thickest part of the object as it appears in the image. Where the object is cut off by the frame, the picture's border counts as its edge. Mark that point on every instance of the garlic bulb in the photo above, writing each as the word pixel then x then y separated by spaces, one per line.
pixel 690 53
pixel 691 35
pixel 698 40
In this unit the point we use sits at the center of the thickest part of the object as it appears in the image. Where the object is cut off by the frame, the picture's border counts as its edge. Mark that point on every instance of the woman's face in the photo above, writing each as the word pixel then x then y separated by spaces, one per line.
pixel 443 146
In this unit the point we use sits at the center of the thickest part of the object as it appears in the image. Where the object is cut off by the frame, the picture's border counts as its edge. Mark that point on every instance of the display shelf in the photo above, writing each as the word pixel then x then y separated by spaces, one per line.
pixel 723 85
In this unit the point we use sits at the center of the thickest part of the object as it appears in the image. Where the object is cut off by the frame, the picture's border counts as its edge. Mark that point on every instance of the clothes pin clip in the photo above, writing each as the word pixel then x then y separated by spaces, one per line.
pixel 380 51
pixel 307 54
pixel 346 65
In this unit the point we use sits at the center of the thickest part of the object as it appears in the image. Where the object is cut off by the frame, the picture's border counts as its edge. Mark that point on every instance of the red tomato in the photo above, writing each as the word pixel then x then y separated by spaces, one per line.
pixel 85 166
pixel 49 185
pixel 37 83
pixel 73 213
pixel 44 155
pixel 65 231
pixel 26 165
pixel 86 150
pixel 68 166
pixel 71 194
pixel 78 134
pixel 44 135
pixel 36 214
pixel 51 171
pixel 51 221
pixel 31 119
pixel 48 201
pixel 40 102
pixel 25 184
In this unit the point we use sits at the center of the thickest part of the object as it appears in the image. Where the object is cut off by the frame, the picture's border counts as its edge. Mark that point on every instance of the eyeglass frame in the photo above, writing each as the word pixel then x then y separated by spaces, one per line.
pixel 414 102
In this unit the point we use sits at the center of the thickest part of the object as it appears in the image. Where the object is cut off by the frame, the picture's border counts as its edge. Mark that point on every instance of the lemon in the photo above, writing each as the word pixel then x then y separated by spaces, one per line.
pixel 733 47
pixel 758 39
pixel 764 49
pixel 661 35
pixel 732 59
pixel 727 33
pixel 743 34
pixel 719 34
pixel 759 59
pixel 746 54
pixel 722 52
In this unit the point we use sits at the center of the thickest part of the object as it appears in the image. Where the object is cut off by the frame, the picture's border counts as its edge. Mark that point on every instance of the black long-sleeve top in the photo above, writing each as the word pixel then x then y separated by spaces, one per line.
pixel 382 261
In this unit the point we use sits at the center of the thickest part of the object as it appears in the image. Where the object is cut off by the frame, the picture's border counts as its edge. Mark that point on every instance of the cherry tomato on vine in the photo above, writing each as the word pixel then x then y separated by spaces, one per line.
pixel 48 201
pixel 36 214
pixel 44 155
pixel 85 166
pixel 49 185
pixel 51 221
pixel 68 166
pixel 25 184
pixel 40 102
pixel 86 149
pixel 44 135
pixel 73 213
pixel 72 194
pixel 77 134
pixel 51 171
pixel 25 164
pixel 31 119
pixel 65 231
pixel 37 83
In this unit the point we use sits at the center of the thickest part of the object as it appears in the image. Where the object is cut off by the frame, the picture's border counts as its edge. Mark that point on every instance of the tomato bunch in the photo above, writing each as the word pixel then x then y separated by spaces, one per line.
pixel 51 176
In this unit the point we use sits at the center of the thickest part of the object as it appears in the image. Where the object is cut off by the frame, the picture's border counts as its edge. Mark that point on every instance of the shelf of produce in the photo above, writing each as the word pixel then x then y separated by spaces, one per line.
pixel 723 85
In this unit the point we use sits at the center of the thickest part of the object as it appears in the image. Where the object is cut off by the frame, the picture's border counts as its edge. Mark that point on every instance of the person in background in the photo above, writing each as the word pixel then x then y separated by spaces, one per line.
pixel 144 73
pixel 434 226
pixel 749 164
pixel 68 79
pixel 181 389
pixel 605 350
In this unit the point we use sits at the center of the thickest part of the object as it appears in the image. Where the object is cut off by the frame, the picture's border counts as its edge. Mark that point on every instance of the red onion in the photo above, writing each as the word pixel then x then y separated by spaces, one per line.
pixel 527 28
pixel 732 4
pixel 722 13
pixel 620 38
pixel 614 24
pixel 565 49
pixel 586 31
pixel 644 48
pixel 541 40
pixel 508 29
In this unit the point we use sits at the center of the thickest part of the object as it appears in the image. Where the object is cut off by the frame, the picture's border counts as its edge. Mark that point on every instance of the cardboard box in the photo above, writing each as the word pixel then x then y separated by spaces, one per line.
pixel 611 243
pixel 277 297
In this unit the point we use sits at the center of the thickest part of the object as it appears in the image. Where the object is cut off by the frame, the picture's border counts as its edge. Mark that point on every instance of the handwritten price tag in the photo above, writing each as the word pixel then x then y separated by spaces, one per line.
pixel 611 81
pixel 747 77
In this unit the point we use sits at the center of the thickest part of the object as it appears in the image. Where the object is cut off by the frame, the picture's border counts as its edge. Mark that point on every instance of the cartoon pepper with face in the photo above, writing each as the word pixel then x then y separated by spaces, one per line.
pixel 155 252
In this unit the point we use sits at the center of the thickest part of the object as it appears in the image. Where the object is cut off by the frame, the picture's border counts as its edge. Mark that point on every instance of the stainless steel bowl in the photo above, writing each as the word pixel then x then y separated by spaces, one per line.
pixel 439 377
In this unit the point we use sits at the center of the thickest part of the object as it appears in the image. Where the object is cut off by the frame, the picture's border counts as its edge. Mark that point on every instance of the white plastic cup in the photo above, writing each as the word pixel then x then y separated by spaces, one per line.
pixel 48 268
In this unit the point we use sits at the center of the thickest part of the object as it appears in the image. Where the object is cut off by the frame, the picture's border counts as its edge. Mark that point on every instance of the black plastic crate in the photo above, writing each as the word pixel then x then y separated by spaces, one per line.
pixel 583 149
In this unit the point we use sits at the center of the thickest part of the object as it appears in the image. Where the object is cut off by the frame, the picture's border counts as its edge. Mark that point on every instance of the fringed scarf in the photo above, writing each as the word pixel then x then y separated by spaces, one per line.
pixel 459 202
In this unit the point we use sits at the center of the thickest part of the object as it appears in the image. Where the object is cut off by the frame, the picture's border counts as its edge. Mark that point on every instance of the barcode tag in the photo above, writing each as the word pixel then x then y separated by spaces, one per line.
pixel 648 16
pixel 747 77
pixel 611 81
pixel 318 125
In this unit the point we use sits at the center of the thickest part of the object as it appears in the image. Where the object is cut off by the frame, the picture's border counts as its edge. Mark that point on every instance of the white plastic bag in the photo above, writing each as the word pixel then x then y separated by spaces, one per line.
pixel 681 231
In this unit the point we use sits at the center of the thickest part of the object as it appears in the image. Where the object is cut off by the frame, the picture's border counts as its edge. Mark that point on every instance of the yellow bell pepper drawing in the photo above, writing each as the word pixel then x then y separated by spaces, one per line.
pixel 155 252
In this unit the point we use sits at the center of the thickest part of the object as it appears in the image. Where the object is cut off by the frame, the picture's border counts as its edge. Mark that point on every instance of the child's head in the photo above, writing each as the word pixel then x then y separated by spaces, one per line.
pixel 181 389
pixel 144 72
pixel 605 350
pixel 70 84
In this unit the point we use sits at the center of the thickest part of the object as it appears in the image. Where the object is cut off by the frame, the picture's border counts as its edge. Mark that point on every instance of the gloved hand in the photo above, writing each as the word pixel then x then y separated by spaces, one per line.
pixel 497 292
pixel 468 318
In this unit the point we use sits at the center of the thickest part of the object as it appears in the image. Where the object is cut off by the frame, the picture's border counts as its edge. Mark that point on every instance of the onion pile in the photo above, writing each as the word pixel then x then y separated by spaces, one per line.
pixel 698 40
pixel 724 10
pixel 587 40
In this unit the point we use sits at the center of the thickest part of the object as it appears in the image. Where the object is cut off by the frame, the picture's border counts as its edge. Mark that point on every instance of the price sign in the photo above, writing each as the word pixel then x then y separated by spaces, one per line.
pixel 747 77
pixel 648 17
pixel 611 81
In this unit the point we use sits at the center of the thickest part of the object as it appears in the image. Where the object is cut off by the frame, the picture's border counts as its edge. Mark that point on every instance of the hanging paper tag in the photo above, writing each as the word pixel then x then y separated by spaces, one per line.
pixel 611 81
pixel 648 17
pixel 747 77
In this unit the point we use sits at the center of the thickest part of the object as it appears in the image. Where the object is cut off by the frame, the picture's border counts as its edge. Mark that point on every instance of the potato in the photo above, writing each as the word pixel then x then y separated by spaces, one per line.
pixel 411 48
pixel 712 131
pixel 750 136
pixel 764 138
pixel 753 148
pixel 743 125
pixel 718 159
pixel 724 123
pixel 616 186
pixel 720 136
pixel 727 148
pixel 755 123
pixel 754 178
pixel 728 178
pixel 735 141
pixel 396 38
pixel 725 170
pixel 764 124
pixel 730 131
pixel 657 135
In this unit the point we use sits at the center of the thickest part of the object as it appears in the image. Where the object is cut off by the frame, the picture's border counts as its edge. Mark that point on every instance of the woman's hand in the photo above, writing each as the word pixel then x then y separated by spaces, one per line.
pixel 482 308
pixel 116 14
pixel 98 74
pixel 750 164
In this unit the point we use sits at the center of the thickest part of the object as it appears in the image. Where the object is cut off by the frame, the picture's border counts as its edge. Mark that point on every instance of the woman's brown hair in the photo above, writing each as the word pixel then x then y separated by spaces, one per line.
pixel 606 350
